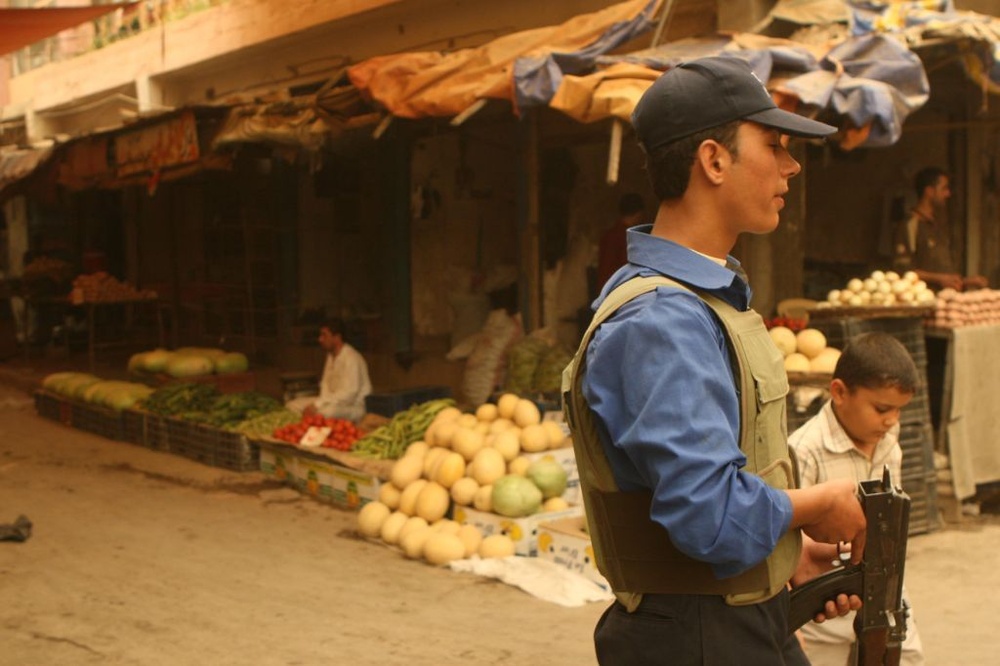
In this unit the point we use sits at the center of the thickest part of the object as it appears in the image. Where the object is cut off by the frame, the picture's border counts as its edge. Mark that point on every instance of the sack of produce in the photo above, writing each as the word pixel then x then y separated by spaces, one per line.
pixel 548 373
pixel 522 362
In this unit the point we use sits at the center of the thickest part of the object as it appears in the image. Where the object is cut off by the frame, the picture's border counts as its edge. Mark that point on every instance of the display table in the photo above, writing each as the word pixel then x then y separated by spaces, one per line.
pixel 969 423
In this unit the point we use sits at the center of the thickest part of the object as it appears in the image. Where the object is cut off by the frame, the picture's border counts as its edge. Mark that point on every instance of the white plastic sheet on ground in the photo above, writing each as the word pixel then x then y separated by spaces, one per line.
pixel 540 578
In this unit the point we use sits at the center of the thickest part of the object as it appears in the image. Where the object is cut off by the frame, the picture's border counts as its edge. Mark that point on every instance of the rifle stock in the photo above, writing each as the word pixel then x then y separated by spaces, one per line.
pixel 880 624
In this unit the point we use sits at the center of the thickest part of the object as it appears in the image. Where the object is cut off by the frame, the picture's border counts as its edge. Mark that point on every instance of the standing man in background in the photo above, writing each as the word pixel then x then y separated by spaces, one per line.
pixel 921 243
pixel 612 253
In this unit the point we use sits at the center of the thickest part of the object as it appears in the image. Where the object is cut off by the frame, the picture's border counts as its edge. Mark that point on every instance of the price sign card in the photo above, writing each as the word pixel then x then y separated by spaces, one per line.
pixel 315 436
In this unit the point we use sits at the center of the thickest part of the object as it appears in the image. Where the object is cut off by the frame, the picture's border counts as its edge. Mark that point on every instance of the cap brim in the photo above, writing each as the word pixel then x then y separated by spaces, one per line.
pixel 791 123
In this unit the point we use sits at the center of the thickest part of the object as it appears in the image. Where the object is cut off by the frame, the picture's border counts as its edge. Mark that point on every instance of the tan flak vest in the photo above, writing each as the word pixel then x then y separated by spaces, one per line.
pixel 634 553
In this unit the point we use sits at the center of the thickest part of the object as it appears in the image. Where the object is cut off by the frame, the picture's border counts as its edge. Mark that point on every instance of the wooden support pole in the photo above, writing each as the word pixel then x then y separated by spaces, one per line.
pixel 529 227
pixel 615 152
pixel 473 109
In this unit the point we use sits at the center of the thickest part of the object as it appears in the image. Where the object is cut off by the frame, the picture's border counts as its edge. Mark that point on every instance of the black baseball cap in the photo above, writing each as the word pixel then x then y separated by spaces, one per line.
pixel 708 92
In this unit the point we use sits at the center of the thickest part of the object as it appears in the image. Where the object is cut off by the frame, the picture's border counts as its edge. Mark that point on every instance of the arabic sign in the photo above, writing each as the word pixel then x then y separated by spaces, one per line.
pixel 166 144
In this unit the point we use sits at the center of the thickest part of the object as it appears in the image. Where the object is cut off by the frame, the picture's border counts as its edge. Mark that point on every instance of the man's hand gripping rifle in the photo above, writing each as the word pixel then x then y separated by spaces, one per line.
pixel 881 622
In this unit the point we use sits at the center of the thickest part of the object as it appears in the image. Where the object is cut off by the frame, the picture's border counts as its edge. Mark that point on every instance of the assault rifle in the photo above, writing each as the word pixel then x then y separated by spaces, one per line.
pixel 880 624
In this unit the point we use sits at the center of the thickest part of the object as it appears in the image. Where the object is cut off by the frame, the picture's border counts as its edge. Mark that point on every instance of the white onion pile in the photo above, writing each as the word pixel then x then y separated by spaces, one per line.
pixel 955 309
pixel 882 289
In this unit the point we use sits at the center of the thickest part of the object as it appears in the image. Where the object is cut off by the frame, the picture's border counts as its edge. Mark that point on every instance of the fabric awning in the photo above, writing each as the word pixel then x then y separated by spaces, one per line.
pixel 21 27
pixel 16 165
pixel 972 36
pixel 293 123
pixel 870 84
pixel 524 68
pixel 868 76
pixel 856 64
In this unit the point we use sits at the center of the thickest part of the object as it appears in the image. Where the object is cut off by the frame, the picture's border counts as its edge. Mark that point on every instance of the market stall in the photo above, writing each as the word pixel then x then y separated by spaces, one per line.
pixel 967 426
pixel 431 481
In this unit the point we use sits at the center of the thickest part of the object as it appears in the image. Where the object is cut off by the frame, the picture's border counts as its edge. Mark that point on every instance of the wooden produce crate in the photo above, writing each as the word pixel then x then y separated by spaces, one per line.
pixel 155 431
pixel 212 446
pixel 53 407
pixel 134 427
pixel 869 312
pixel 98 420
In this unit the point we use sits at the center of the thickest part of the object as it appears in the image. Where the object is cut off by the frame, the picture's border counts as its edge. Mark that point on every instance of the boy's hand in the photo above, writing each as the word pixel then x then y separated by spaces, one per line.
pixel 842 605
pixel 816 559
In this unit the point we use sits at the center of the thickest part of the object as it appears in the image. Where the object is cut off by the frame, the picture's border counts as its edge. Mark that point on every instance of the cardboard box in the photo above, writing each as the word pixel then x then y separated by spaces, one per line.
pixel 566 542
pixel 278 463
pixel 318 475
pixel 522 531
pixel 329 481
pixel 566 457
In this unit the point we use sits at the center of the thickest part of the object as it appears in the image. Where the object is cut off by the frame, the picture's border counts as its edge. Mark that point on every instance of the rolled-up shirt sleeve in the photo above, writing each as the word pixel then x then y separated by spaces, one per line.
pixel 659 378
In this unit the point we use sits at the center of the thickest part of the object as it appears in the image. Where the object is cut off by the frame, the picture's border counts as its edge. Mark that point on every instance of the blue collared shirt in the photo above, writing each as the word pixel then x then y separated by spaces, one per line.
pixel 659 378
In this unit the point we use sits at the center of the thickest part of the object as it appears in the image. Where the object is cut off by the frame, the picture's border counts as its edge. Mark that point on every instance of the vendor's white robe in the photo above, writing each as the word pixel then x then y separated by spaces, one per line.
pixel 342 389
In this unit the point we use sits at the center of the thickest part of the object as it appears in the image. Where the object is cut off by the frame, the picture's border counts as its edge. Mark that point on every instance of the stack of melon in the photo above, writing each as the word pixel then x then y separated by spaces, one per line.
pixel 471 460
pixel 188 362
pixel 805 351
pixel 116 395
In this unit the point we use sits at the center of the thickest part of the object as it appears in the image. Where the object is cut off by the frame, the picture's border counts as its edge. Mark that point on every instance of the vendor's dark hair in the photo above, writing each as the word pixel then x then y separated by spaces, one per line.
pixel 877 360
pixel 669 166
pixel 927 177
pixel 335 324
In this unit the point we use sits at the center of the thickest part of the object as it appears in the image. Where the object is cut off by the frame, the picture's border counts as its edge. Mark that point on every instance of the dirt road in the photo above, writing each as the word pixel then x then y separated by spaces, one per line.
pixel 139 557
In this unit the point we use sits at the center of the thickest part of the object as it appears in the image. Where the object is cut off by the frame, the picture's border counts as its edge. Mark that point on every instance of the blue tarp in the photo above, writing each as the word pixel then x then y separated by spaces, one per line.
pixel 918 20
pixel 536 78
pixel 870 80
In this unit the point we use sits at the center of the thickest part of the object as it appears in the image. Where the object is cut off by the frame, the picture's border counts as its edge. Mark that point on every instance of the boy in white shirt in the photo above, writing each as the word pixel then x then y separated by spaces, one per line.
pixel 854 436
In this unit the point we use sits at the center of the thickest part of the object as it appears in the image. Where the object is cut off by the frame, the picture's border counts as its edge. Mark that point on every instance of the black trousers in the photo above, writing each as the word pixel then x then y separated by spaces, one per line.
pixel 697 630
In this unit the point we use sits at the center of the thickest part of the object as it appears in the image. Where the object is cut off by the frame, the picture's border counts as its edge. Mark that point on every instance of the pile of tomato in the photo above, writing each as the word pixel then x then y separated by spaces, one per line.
pixel 788 322
pixel 343 433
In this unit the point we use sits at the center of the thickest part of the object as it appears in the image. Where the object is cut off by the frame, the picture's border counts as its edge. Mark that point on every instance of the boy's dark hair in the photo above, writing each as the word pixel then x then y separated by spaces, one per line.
pixel 877 360
pixel 927 177
pixel 630 204
pixel 669 166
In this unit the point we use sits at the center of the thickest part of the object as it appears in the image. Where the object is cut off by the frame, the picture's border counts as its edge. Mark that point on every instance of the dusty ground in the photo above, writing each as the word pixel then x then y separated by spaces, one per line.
pixel 139 557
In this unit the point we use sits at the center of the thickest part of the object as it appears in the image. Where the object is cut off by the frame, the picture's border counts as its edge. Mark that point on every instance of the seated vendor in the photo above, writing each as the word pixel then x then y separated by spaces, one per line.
pixel 345 382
